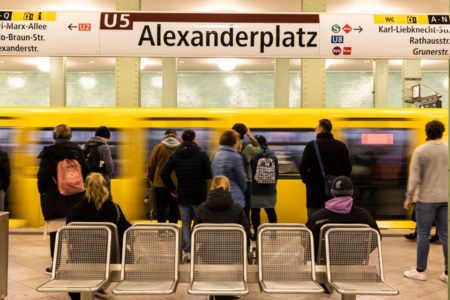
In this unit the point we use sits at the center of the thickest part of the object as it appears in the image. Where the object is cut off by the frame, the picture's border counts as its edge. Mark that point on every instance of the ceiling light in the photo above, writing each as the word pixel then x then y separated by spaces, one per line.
pixel 87 83
pixel 227 64
pixel 16 82
pixel 396 62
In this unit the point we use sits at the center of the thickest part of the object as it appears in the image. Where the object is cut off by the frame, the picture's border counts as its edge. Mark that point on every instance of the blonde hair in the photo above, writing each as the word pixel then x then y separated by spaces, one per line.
pixel 96 190
pixel 220 182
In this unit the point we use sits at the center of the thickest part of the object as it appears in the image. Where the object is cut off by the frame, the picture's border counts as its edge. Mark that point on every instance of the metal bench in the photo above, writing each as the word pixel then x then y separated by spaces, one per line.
pixel 354 262
pixel 286 259
pixel 321 258
pixel 81 260
pixel 115 251
pixel 150 259
pixel 218 260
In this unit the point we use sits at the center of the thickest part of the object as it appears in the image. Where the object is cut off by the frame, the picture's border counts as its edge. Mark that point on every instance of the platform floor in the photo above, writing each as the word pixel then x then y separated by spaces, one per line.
pixel 29 255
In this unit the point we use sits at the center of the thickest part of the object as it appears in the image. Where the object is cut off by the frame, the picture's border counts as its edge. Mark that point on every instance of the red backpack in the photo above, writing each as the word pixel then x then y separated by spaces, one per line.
pixel 69 177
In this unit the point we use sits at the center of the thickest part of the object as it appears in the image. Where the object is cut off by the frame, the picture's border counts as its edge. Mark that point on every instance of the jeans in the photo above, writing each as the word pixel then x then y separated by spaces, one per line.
pixel 426 214
pixel 256 217
pixel 187 214
pixel 166 206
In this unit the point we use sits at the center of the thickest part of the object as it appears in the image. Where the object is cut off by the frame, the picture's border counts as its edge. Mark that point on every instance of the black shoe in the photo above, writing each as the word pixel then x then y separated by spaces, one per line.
pixel 434 239
pixel 411 236
pixel 48 271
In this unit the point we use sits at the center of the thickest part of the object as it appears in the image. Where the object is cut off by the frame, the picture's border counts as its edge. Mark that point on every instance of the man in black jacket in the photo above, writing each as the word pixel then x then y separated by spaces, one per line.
pixel 335 160
pixel 192 168
pixel 55 207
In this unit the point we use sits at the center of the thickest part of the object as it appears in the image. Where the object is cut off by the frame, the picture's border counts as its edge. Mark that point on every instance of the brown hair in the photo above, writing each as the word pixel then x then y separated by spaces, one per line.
pixel 96 190
pixel 62 131
pixel 220 182
pixel 229 138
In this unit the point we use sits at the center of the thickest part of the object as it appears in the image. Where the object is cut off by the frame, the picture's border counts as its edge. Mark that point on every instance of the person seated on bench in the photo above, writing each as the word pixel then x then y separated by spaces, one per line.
pixel 339 209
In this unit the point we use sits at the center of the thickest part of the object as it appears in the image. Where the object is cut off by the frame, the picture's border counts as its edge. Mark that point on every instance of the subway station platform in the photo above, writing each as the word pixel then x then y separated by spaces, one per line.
pixel 29 256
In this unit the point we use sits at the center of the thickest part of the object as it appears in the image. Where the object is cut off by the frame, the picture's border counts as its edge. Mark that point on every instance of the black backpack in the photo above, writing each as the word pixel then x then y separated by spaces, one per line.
pixel 93 159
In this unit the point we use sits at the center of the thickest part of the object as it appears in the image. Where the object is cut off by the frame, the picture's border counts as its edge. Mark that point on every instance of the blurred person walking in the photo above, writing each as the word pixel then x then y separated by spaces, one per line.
pixel 5 177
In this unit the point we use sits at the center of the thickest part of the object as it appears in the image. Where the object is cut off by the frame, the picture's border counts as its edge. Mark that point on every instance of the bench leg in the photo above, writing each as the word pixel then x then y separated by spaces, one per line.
pixel 87 296
pixel 348 297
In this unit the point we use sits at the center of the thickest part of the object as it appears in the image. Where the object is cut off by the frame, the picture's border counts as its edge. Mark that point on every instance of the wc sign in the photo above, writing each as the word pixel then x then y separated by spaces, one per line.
pixel 337 39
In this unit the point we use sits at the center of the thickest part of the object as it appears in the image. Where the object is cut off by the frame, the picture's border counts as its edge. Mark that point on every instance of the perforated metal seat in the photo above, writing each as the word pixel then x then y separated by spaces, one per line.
pixel 218 260
pixel 286 259
pixel 81 260
pixel 354 262
pixel 321 257
pixel 150 260
pixel 115 251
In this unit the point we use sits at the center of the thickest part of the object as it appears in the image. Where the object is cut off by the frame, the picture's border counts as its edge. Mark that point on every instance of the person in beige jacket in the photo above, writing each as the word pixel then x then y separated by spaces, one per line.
pixel 166 204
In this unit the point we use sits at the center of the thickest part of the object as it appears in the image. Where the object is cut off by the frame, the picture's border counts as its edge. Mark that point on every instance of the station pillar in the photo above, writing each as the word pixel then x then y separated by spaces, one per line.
pixel 281 82
pixel 128 75
pixel 58 81
pixel 313 70
pixel 411 75
pixel 380 83
pixel 169 82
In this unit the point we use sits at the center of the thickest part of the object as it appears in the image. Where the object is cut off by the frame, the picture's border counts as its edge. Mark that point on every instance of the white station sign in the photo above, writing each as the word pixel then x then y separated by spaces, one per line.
pixel 302 35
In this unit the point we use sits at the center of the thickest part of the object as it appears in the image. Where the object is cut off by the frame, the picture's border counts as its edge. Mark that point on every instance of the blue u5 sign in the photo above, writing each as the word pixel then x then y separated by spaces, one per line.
pixel 337 39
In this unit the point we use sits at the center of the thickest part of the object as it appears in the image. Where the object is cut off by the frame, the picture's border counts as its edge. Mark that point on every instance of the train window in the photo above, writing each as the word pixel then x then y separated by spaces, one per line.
pixel 203 138
pixel 6 141
pixel 379 158
pixel 44 137
pixel 288 145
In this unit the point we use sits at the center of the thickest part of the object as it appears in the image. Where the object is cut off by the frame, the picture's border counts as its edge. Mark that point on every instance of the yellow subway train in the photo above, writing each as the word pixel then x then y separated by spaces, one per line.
pixel 380 143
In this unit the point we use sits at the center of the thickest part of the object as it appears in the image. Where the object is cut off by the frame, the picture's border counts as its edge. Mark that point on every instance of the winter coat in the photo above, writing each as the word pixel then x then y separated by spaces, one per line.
pixel 325 216
pixel 158 159
pixel 228 162
pixel 192 168
pixel 5 171
pixel 104 154
pixel 87 212
pixel 336 161
pixel 53 204
pixel 250 150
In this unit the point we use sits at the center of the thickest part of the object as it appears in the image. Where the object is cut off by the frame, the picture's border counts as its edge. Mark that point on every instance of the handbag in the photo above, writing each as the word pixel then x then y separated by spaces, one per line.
pixel 328 179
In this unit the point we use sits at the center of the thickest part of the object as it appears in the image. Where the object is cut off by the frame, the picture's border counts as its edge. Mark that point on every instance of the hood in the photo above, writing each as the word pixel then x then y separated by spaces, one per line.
pixel 219 199
pixel 340 205
pixel 187 149
pixel 61 150
pixel 96 139
pixel 325 135
pixel 170 142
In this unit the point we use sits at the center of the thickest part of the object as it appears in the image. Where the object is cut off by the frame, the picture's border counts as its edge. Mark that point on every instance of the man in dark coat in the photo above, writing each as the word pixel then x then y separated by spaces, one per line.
pixel 192 168
pixel 55 207
pixel 335 160
pixel 5 177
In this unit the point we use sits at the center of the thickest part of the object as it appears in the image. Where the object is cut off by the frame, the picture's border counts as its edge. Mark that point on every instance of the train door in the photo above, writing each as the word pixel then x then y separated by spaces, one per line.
pixel 379 152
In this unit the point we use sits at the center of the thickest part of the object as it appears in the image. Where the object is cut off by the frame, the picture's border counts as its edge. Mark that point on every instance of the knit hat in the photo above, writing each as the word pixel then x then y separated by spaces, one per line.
pixel 342 185
pixel 103 132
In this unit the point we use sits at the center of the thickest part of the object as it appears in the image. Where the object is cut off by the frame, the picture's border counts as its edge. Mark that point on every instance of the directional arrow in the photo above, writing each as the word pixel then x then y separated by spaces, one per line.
pixel 359 29
pixel 71 26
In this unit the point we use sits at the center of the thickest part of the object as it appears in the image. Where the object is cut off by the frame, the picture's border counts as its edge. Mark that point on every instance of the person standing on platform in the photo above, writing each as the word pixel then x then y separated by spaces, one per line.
pixel 335 160
pixel 5 177
pixel 166 204
pixel 265 172
pixel 98 154
pixel 428 172
pixel 192 168
pixel 54 205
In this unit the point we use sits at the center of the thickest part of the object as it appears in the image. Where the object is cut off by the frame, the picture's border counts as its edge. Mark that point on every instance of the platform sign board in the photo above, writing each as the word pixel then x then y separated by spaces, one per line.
pixel 308 35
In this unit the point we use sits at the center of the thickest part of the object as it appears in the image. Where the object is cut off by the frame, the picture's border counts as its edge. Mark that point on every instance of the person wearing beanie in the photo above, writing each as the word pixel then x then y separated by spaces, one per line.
pixel 339 209
pixel 98 154
pixel 166 204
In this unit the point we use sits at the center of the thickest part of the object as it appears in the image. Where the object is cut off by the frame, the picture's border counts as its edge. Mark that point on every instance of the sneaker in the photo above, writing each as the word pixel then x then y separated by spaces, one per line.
pixel 414 274
pixel 186 257
pixel 443 277
pixel 434 239
pixel 48 271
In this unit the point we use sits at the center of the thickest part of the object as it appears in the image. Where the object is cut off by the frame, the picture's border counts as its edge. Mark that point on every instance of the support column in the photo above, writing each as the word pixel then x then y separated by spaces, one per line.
pixel 313 70
pixel 380 83
pixel 411 75
pixel 128 75
pixel 58 81
pixel 281 82
pixel 169 82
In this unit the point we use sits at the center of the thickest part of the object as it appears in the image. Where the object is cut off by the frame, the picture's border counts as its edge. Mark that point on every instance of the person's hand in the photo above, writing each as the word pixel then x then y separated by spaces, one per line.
pixel 407 204
pixel 174 194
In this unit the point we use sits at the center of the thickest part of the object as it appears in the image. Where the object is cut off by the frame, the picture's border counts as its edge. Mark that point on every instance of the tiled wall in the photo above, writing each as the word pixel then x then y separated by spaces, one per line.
pixel 209 89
